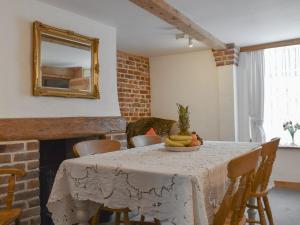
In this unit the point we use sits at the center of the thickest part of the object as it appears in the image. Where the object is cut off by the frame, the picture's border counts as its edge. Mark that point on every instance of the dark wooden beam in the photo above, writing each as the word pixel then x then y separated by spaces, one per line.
pixel 59 128
pixel 172 16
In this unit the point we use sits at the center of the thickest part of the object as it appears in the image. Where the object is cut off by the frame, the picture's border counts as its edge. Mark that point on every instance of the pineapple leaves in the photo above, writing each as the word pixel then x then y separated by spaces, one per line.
pixel 183 119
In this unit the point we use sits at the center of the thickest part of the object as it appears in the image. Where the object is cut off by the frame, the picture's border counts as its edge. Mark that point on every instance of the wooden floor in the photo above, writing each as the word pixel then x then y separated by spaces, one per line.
pixel 285 204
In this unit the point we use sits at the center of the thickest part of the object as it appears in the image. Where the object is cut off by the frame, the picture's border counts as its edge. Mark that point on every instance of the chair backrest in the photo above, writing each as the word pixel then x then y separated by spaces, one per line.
pixel 264 171
pixel 144 140
pixel 13 172
pixel 95 146
pixel 241 172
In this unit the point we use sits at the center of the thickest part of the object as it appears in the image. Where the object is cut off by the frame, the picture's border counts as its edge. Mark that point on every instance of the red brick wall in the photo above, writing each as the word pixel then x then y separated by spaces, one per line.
pixel 228 56
pixel 133 86
pixel 23 155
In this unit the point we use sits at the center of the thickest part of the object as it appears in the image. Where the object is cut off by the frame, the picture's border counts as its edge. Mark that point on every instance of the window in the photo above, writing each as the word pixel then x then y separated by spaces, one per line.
pixel 282 91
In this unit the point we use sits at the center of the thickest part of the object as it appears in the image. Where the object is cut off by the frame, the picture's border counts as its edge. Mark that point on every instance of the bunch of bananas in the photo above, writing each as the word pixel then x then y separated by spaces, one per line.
pixel 179 141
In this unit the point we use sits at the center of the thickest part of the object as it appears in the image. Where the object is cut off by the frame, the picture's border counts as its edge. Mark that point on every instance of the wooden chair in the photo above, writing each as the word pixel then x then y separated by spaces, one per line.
pixel 97 147
pixel 10 214
pixel 144 140
pixel 261 183
pixel 241 172
pixel 92 147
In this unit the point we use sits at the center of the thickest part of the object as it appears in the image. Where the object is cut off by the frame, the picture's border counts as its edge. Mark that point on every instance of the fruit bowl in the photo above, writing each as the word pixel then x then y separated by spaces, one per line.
pixel 183 143
pixel 181 149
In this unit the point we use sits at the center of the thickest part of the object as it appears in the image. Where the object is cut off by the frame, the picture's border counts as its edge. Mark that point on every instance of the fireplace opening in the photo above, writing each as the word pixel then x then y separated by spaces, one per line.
pixel 29 143
pixel 52 154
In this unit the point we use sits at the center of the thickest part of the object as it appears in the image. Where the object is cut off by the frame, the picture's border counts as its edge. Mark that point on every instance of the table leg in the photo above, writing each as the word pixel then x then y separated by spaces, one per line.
pixel 251 212
pixel 82 213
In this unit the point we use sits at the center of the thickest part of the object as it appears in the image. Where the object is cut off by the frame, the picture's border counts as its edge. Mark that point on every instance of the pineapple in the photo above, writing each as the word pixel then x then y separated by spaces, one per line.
pixel 183 119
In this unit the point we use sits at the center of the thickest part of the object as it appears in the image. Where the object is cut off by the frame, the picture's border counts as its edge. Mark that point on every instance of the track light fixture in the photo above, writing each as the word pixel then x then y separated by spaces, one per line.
pixel 182 36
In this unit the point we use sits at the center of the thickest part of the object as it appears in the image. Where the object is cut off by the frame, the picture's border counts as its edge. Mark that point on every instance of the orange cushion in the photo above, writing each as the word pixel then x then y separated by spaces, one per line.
pixel 151 132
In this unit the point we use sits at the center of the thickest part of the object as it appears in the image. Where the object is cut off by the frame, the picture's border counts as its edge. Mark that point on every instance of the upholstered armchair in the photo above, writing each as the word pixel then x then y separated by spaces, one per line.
pixel 162 127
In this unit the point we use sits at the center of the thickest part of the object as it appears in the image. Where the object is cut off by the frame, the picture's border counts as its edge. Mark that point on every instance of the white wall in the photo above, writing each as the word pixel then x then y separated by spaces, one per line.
pixel 287 166
pixel 243 99
pixel 227 103
pixel 189 79
pixel 16 100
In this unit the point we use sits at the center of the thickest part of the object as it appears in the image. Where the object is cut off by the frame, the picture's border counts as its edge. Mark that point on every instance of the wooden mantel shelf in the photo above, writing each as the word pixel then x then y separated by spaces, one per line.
pixel 59 128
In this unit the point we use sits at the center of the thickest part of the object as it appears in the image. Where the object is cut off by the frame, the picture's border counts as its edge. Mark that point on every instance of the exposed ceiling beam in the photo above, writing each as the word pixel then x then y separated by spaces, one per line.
pixel 172 16
pixel 271 45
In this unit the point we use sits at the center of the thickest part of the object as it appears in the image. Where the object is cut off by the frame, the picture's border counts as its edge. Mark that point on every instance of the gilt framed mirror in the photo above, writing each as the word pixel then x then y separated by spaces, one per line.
pixel 65 64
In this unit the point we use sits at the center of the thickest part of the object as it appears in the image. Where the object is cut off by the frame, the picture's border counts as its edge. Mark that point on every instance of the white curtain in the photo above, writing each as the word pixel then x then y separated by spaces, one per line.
pixel 282 91
pixel 250 81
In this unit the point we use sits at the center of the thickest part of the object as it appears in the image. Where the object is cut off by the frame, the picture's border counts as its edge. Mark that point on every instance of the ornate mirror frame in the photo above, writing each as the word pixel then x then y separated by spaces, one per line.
pixel 38 90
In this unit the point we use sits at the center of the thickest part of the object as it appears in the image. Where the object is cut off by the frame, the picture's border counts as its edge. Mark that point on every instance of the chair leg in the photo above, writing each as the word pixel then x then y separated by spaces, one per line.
pixel 126 218
pixel 261 212
pixel 268 210
pixel 118 218
pixel 95 218
pixel 156 221
pixel 142 220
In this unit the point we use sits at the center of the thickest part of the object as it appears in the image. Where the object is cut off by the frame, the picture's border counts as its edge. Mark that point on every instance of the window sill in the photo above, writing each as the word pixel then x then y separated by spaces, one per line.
pixel 293 147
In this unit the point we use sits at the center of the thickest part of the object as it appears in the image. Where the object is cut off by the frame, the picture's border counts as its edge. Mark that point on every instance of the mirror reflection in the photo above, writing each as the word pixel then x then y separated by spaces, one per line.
pixel 65 63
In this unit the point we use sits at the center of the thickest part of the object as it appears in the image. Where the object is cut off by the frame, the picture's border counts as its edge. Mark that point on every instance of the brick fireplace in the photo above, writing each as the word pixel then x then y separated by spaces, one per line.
pixel 38 146
pixel 133 73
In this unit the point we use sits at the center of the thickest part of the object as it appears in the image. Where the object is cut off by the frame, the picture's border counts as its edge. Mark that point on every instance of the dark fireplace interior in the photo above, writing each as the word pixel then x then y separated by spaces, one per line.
pixel 52 153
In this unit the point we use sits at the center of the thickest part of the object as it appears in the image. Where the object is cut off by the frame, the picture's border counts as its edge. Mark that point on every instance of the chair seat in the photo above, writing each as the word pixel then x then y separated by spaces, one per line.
pixel 8 216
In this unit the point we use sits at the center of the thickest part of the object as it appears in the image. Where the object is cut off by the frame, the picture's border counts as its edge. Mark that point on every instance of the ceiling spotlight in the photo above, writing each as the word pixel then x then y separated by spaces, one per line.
pixel 190 42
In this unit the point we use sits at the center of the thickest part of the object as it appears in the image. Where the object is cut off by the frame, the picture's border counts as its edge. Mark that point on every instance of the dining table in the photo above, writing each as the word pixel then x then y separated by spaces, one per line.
pixel 178 188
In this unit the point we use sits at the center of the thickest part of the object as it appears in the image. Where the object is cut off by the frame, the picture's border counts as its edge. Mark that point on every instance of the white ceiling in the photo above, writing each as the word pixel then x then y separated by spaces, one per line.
pixel 232 21
pixel 245 22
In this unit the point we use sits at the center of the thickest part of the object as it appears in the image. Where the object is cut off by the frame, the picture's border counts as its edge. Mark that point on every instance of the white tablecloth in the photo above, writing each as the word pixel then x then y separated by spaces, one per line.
pixel 181 188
